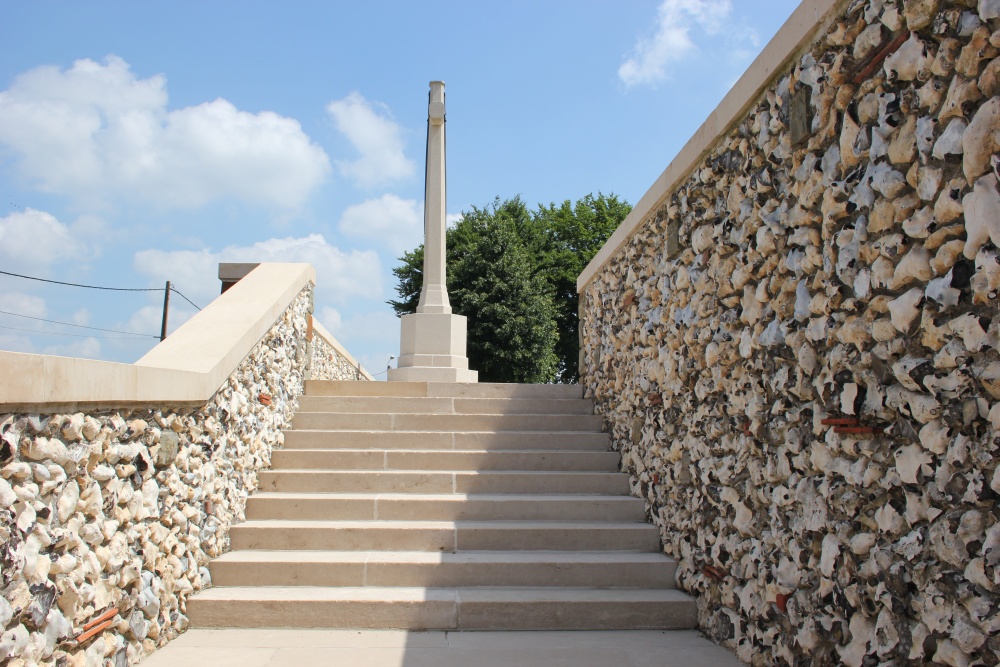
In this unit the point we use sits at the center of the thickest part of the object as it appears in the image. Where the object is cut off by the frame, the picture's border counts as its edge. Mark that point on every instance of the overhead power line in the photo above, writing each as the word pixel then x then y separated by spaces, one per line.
pixel 79 326
pixel 54 333
pixel 112 289
pixel 178 293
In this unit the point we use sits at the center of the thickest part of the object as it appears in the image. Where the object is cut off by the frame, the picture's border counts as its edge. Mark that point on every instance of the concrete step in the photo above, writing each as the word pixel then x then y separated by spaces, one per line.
pixel 460 406
pixel 598 569
pixel 443 608
pixel 449 423
pixel 443 507
pixel 484 440
pixel 442 389
pixel 443 481
pixel 450 536
pixel 435 459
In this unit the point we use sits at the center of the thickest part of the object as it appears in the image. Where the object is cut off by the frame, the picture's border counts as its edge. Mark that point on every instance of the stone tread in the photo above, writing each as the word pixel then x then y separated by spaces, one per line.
pixel 457 459
pixel 457 608
pixel 458 406
pixel 444 506
pixel 464 535
pixel 485 557
pixel 329 439
pixel 448 423
pixel 443 481
pixel 600 569
pixel 441 389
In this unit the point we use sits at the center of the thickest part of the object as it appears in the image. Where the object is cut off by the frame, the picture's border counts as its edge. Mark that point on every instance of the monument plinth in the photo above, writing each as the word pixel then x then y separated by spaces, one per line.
pixel 432 340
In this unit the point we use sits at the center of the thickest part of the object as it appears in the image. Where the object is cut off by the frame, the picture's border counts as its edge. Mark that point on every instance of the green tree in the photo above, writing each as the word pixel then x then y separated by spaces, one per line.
pixel 574 233
pixel 509 271
pixel 512 328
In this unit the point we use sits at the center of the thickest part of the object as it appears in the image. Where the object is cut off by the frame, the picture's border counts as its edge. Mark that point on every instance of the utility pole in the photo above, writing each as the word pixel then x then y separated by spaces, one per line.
pixel 166 307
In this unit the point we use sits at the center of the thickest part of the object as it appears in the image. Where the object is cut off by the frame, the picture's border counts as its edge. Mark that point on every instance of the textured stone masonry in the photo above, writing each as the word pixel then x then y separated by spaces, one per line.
pixel 798 353
pixel 123 509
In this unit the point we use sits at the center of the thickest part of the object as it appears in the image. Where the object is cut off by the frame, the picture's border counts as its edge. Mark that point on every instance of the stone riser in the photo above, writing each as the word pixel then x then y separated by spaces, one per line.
pixel 448 423
pixel 459 406
pixel 458 609
pixel 442 389
pixel 390 481
pixel 323 568
pixel 444 536
pixel 524 440
pixel 373 459
pixel 410 507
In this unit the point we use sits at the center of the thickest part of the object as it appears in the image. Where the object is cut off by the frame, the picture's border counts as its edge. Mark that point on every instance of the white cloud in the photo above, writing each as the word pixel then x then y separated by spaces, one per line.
pixel 339 274
pixel 377 138
pixel 86 348
pixel 23 304
pixel 31 239
pixel 672 40
pixel 330 318
pixel 453 219
pixel 96 132
pixel 382 325
pixel 396 223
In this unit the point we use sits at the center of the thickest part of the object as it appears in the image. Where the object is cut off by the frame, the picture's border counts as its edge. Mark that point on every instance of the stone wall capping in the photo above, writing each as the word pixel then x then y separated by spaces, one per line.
pixel 811 18
pixel 185 370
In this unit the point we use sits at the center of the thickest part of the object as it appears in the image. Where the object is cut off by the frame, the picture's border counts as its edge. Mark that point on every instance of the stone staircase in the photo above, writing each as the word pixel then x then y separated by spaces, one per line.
pixel 444 506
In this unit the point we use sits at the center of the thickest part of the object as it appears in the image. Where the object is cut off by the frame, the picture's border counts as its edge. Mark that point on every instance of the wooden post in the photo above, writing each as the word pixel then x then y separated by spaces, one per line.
pixel 166 307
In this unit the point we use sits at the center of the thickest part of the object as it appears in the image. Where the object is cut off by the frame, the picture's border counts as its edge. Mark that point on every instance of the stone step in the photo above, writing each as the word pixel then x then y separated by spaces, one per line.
pixel 443 481
pixel 484 440
pixel 450 423
pixel 598 569
pixel 460 406
pixel 435 459
pixel 450 536
pixel 441 389
pixel 444 507
pixel 417 608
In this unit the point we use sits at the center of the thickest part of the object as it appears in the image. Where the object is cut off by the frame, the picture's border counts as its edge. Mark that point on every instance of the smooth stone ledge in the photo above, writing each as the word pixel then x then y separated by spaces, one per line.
pixel 185 370
pixel 811 18
pixel 267 647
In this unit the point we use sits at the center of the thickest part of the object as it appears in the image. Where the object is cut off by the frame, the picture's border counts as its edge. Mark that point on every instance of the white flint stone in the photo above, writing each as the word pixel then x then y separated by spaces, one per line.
pixel 950 141
pixel 910 61
pixel 981 139
pixel 982 215
pixel 904 310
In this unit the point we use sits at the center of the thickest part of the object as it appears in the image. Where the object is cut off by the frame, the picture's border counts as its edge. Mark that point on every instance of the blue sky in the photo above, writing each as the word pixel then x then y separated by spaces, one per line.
pixel 144 142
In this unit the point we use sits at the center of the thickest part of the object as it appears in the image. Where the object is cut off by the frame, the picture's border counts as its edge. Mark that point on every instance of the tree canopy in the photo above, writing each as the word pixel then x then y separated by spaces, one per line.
pixel 513 272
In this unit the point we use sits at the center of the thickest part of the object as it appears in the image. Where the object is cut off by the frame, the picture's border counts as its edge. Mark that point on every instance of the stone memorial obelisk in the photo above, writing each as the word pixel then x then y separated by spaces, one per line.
pixel 432 340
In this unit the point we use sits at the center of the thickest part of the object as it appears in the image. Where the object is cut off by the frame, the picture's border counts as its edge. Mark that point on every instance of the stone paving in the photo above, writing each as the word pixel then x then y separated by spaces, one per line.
pixel 400 648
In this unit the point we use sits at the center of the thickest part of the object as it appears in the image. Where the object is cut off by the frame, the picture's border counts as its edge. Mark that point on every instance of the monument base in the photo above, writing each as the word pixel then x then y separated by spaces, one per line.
pixel 432 349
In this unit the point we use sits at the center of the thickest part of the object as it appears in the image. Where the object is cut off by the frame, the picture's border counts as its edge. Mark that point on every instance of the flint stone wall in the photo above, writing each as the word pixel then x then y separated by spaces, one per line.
pixel 125 508
pixel 329 364
pixel 835 256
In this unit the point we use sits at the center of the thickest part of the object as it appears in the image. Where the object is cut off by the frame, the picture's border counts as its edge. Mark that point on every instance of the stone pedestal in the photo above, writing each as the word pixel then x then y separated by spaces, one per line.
pixel 432 349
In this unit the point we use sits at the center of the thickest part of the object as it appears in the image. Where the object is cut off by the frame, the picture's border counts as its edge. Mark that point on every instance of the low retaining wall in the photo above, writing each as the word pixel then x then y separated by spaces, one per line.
pixel 119 510
pixel 795 343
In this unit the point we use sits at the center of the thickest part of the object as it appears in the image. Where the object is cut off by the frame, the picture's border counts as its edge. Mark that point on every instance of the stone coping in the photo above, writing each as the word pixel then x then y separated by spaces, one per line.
pixel 320 330
pixel 186 369
pixel 799 31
